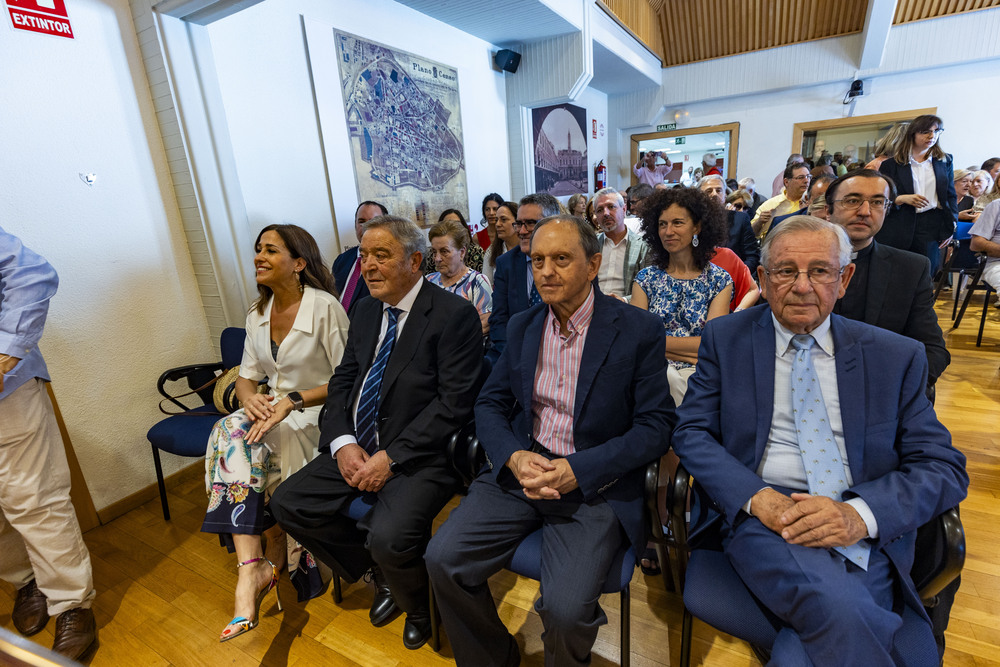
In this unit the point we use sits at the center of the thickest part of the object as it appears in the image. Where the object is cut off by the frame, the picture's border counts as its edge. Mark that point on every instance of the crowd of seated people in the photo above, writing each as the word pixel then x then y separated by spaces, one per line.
pixel 578 343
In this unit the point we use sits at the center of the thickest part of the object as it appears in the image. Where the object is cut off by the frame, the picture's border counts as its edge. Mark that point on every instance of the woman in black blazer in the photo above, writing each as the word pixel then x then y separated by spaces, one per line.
pixel 926 207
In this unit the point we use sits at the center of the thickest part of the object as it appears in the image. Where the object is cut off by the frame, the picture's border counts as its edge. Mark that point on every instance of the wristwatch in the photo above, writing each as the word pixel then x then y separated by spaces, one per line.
pixel 395 467
pixel 296 399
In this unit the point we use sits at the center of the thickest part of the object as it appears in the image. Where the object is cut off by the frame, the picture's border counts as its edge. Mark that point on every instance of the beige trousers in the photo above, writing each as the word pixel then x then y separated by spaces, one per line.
pixel 39 535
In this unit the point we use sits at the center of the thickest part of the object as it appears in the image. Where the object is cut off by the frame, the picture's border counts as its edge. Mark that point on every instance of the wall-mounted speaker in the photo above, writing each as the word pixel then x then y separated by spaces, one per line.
pixel 507 60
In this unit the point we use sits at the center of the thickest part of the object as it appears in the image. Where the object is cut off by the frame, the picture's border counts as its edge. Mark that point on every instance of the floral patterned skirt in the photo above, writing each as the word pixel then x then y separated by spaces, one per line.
pixel 240 478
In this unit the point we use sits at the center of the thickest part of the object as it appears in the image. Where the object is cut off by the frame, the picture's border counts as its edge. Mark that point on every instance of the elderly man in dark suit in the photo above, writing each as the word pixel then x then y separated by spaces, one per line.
pixel 818 484
pixel 573 411
pixel 347 267
pixel 891 288
pixel 408 379
pixel 513 289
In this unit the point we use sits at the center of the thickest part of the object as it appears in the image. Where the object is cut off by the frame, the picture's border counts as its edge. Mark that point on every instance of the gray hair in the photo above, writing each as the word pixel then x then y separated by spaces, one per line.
pixel 409 235
pixel 711 177
pixel 545 201
pixel 746 181
pixel 603 192
pixel 806 223
pixel 588 236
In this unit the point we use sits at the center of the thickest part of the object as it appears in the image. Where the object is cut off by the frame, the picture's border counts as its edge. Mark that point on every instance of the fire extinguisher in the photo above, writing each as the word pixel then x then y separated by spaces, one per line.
pixel 600 176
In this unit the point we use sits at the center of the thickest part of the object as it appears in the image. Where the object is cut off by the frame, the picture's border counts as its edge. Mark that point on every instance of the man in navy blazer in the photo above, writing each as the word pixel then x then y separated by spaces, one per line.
pixel 575 408
pixel 512 286
pixel 348 262
pixel 899 464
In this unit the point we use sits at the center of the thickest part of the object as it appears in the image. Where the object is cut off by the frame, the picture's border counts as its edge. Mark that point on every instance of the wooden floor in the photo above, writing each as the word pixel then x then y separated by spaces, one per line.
pixel 165 589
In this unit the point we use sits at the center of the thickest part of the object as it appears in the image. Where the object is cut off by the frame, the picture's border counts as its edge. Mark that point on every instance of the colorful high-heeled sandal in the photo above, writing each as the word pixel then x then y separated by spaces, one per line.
pixel 241 624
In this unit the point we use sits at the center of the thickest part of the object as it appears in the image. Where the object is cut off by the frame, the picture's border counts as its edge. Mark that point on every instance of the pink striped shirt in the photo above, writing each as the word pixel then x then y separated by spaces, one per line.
pixel 556 375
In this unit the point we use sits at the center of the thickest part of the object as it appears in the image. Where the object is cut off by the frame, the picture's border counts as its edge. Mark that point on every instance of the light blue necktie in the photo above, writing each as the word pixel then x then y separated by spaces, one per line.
pixel 820 454
pixel 367 420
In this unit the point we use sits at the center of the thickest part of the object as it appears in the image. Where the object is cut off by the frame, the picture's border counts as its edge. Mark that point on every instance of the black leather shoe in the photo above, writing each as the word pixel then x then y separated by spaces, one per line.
pixel 76 631
pixel 384 608
pixel 417 629
pixel 31 612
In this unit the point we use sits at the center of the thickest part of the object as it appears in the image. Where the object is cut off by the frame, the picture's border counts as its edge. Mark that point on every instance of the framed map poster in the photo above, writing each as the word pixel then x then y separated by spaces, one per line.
pixel 560 148
pixel 404 124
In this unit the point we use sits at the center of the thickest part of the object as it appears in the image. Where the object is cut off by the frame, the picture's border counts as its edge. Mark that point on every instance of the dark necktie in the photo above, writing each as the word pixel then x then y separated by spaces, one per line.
pixel 820 454
pixel 367 419
pixel 352 285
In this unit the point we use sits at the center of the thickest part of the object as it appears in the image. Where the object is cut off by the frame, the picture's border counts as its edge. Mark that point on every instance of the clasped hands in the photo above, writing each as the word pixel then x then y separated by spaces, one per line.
pixel 811 521
pixel 541 478
pixel 361 471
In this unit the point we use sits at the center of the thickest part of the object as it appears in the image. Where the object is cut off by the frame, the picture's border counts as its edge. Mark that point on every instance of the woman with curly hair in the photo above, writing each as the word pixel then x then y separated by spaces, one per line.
pixel 682 227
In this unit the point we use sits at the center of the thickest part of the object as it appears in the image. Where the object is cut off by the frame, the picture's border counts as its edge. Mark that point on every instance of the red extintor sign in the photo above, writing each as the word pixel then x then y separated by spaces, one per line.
pixel 48 17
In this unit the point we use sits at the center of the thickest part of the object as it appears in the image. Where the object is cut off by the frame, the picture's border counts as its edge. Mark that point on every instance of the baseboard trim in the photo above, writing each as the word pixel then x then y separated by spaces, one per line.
pixel 151 492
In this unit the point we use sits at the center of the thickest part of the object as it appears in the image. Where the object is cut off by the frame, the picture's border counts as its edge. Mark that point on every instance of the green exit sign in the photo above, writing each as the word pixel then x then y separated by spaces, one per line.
pixel 667 127
pixel 679 140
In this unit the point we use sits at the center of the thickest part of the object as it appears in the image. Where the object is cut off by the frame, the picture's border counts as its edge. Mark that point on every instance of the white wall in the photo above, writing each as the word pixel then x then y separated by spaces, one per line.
pixel 262 64
pixel 127 307
pixel 960 93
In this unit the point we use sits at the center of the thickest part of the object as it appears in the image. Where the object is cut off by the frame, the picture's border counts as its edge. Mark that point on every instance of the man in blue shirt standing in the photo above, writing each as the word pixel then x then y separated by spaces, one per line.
pixel 41 548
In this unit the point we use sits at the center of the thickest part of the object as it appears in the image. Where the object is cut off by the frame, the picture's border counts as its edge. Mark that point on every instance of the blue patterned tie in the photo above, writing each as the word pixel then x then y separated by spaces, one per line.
pixel 367 420
pixel 534 298
pixel 820 454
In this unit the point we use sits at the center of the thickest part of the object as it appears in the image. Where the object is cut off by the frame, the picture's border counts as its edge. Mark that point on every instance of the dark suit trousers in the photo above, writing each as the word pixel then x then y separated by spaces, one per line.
pixel 393 534
pixel 835 613
pixel 579 541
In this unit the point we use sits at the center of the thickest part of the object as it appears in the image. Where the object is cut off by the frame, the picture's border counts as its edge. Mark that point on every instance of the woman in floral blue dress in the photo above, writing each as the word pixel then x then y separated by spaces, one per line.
pixel 682 227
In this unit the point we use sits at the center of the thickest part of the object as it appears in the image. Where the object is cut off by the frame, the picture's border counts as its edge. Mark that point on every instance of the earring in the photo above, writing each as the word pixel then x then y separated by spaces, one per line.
pixel 694 241
pixel 302 288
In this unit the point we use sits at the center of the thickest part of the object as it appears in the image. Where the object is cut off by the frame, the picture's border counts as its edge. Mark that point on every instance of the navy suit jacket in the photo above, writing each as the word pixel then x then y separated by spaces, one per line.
pixel 622 412
pixel 742 241
pixel 510 296
pixel 342 273
pixel 901 458
pixel 901 221
pixel 900 298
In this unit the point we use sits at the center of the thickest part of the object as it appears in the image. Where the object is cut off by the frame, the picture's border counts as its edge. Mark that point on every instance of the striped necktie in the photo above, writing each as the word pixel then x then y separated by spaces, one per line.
pixel 367 419
pixel 820 454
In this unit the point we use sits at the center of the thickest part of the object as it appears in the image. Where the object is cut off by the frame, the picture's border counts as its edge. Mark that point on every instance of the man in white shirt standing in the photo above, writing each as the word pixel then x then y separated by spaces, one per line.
pixel 623 252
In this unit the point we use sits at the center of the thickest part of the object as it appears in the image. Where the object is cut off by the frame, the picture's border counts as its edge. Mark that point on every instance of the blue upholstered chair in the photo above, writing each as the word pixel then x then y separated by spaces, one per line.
pixel 714 593
pixel 186 434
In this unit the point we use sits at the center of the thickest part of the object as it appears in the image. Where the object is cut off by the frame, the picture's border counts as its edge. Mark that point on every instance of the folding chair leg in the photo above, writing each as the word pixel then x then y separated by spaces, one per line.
pixel 626 631
pixel 338 596
pixel 965 303
pixel 159 482
pixel 686 638
pixel 982 319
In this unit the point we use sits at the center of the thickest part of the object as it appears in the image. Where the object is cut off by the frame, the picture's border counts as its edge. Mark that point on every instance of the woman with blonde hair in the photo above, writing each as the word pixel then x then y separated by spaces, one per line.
pixel 886 146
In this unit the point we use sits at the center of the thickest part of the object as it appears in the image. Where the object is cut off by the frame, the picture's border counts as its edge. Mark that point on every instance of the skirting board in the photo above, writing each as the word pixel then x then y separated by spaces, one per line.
pixel 151 492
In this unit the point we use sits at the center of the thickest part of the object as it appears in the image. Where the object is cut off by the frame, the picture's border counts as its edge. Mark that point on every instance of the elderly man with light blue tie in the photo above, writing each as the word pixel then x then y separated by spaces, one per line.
pixel 818 483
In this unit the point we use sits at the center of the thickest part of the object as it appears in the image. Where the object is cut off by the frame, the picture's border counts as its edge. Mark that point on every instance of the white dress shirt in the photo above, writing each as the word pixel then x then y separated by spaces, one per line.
pixel 782 461
pixel 611 275
pixel 405 305
pixel 924 182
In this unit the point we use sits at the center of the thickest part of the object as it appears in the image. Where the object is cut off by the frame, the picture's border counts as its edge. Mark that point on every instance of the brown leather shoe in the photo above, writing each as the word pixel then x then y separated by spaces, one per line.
pixel 30 613
pixel 76 630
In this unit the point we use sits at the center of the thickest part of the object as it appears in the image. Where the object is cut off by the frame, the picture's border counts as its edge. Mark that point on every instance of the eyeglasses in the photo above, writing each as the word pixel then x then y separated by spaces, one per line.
pixel 931 133
pixel 851 202
pixel 737 207
pixel 818 275
pixel 530 224
pixel 804 178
